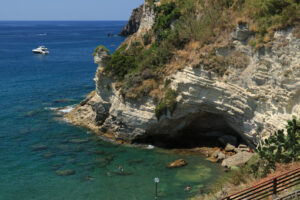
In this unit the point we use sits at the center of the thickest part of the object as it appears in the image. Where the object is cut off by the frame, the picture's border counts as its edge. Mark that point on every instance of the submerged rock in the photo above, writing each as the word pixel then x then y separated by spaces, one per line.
pixel 63 100
pixel 103 162
pixel 78 149
pixel 66 172
pixel 132 162
pixel 98 152
pixel 39 147
pixel 57 166
pixel 48 155
pixel 177 163
pixel 237 159
pixel 63 147
pixel 79 141
pixel 83 164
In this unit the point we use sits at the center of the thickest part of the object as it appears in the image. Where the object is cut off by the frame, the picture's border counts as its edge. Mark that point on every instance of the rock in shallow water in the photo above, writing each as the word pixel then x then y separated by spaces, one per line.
pixel 219 155
pixel 237 159
pixel 177 163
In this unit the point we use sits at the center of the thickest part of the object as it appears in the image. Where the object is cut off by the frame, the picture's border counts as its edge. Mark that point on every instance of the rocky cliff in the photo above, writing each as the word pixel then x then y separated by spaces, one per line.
pixel 250 102
pixel 134 22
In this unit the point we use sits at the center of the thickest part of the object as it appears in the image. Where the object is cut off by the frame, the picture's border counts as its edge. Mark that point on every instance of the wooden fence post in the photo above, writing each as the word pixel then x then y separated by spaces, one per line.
pixel 274 188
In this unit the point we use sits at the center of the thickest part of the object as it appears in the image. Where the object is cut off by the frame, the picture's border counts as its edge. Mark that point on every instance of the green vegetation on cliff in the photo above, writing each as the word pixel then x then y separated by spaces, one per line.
pixel 281 147
pixel 121 58
pixel 168 103
pixel 100 47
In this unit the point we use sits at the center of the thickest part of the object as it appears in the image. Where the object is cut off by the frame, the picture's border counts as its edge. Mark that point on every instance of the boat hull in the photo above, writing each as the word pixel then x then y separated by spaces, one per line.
pixel 39 52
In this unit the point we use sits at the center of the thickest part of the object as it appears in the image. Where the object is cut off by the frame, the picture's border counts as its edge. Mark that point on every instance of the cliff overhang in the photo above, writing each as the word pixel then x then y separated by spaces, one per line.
pixel 258 91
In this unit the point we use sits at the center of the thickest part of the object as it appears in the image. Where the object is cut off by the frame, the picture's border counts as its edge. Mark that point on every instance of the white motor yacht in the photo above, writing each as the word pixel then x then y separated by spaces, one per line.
pixel 40 50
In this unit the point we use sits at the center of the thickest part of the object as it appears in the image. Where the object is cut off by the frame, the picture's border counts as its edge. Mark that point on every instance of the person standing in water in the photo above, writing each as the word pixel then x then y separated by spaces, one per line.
pixel 121 169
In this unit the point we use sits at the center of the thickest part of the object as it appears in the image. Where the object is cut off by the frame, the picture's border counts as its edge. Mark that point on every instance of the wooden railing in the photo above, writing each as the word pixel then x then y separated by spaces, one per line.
pixel 292 195
pixel 268 188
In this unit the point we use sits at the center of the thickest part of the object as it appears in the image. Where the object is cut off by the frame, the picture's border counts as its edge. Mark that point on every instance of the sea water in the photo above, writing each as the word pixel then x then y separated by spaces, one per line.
pixel 36 144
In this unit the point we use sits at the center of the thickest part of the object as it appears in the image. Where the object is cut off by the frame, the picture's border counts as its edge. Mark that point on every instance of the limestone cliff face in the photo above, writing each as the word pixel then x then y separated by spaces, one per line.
pixel 254 100
pixel 134 22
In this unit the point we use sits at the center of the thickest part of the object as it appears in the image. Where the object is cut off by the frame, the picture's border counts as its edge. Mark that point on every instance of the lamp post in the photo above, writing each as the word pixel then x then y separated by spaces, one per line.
pixel 156 180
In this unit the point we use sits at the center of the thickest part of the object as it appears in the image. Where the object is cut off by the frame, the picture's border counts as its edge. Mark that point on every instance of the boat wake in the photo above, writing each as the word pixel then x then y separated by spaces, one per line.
pixel 42 34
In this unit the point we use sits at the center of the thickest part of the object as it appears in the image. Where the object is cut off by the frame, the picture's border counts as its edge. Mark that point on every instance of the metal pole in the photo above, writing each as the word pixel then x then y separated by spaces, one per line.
pixel 156 190
pixel 156 180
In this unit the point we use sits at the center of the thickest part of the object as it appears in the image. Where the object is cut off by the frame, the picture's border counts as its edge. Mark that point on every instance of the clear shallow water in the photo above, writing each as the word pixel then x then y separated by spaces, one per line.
pixel 30 85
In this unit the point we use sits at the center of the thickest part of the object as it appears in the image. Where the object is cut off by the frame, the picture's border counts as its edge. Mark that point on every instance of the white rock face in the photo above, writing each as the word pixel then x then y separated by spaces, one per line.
pixel 254 101
pixel 148 19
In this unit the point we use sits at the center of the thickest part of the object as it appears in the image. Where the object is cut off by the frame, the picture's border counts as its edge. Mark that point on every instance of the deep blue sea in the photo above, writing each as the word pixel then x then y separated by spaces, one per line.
pixel 35 142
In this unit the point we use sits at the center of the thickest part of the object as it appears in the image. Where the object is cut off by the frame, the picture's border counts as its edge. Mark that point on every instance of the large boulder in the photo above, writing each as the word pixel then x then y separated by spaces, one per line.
pixel 242 147
pixel 237 159
pixel 219 155
pixel 102 112
pixel 177 163
pixel 229 148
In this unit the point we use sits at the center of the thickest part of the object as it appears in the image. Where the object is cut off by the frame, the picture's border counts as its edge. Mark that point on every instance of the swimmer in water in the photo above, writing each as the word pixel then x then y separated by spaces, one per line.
pixel 187 188
pixel 90 178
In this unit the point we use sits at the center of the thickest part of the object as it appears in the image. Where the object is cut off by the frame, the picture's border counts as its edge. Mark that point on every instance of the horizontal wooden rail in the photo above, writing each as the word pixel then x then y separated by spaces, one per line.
pixel 269 187
pixel 292 195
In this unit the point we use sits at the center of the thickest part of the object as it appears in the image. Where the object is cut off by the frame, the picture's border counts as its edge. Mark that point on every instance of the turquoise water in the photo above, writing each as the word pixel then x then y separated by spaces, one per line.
pixel 35 142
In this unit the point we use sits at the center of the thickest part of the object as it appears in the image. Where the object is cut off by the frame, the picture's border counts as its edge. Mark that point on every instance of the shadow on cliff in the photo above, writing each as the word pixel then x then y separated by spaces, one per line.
pixel 199 130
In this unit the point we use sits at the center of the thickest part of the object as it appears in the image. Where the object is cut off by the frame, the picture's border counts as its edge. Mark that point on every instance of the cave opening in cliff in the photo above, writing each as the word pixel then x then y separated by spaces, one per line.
pixel 199 130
